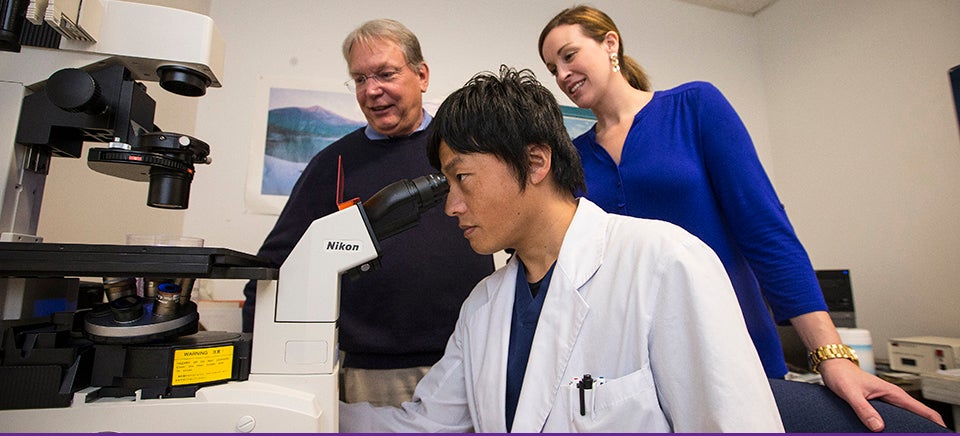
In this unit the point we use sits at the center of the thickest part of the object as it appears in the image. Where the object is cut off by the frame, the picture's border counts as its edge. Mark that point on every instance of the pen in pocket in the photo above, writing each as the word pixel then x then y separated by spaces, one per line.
pixel 583 385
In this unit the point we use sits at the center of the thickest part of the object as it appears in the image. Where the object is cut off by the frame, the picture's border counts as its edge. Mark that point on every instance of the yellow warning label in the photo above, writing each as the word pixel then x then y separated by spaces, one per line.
pixel 202 365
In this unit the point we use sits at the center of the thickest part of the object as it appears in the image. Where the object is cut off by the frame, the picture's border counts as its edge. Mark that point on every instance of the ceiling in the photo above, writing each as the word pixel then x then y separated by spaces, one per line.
pixel 742 7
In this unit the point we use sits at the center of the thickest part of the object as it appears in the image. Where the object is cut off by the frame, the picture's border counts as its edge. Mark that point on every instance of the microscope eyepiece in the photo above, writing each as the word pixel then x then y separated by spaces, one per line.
pixel 397 207
pixel 431 189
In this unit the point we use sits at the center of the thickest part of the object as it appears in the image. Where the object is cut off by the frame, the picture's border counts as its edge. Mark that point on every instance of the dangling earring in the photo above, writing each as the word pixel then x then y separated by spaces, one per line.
pixel 615 62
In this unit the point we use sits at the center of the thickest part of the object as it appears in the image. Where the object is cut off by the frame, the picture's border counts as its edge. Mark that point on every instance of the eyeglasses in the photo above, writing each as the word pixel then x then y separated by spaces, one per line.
pixel 383 77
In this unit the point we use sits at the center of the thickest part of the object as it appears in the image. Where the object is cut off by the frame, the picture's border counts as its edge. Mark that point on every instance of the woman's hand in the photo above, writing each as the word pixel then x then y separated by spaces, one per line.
pixel 856 386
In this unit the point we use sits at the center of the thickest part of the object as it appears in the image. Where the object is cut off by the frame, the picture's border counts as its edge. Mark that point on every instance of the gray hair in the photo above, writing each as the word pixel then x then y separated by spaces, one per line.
pixel 387 29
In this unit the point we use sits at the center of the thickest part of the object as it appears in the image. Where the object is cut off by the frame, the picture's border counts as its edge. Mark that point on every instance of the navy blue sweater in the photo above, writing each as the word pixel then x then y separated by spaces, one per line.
pixel 402 314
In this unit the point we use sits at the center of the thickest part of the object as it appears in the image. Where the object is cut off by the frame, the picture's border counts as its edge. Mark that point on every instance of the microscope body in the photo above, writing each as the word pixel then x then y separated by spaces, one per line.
pixel 80 83
pixel 292 385
pixel 293 380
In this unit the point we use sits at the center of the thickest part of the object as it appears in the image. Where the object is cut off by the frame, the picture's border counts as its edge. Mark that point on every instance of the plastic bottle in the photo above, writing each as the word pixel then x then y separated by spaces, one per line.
pixel 862 343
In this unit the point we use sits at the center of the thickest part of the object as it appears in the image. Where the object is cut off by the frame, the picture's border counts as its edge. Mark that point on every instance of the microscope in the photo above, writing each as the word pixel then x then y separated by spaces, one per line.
pixel 285 381
pixel 106 358
pixel 96 53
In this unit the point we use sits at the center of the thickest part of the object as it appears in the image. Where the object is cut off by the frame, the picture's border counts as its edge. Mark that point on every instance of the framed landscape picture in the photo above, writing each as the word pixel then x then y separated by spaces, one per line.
pixel 297 120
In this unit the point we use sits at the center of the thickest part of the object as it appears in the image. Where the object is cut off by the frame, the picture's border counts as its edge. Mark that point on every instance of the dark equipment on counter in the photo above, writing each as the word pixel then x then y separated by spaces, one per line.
pixel 102 103
pixel 43 363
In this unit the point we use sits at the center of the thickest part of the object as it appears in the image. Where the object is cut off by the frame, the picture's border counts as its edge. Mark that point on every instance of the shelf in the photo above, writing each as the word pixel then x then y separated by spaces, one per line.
pixel 20 259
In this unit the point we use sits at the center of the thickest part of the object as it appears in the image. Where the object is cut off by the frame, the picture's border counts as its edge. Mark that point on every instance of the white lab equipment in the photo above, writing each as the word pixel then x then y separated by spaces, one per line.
pixel 924 354
pixel 291 383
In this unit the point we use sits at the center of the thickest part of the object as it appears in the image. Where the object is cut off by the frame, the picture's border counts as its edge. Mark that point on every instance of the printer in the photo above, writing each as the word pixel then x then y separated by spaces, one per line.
pixel 923 354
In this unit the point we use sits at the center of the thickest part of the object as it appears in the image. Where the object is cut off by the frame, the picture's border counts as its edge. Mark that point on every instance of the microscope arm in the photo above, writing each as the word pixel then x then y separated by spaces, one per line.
pixel 295 320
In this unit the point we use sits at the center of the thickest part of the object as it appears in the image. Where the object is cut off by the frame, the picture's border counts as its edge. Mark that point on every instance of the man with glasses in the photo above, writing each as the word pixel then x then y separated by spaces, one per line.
pixel 394 321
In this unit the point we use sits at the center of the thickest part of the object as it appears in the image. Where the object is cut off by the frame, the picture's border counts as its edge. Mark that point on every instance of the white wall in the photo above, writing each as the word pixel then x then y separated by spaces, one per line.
pixel 846 101
pixel 865 139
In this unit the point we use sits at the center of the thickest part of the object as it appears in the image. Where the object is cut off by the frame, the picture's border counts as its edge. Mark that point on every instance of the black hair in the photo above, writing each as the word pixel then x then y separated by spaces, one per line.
pixel 502 116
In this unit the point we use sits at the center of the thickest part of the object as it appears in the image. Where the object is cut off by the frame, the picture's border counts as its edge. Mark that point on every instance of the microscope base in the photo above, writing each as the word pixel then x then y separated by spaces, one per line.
pixel 265 403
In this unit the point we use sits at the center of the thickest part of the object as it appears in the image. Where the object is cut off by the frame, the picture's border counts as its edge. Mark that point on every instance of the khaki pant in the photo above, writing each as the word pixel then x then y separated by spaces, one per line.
pixel 380 387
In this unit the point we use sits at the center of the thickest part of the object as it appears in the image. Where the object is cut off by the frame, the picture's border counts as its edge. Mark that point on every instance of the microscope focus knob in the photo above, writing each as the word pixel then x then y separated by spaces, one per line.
pixel 75 90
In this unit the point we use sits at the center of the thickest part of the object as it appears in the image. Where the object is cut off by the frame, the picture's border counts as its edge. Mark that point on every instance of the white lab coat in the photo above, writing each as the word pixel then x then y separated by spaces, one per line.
pixel 642 303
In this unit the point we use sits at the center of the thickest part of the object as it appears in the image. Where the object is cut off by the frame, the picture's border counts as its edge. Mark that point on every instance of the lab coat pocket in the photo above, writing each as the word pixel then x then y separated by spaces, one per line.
pixel 624 404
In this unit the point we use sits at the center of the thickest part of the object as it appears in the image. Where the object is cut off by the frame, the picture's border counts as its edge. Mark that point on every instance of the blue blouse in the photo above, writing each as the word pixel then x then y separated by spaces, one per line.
pixel 689 160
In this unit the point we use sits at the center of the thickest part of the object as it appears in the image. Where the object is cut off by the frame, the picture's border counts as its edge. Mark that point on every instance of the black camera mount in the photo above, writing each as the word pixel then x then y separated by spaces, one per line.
pixel 102 103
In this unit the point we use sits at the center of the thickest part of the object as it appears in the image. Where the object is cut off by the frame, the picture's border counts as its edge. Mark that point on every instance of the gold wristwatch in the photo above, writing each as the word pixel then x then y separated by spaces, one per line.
pixel 832 351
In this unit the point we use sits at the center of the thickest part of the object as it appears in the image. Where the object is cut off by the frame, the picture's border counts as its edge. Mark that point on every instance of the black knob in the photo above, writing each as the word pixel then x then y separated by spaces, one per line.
pixel 75 90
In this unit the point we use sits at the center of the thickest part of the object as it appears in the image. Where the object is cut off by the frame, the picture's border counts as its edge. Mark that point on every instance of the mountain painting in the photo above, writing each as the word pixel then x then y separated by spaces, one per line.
pixel 300 123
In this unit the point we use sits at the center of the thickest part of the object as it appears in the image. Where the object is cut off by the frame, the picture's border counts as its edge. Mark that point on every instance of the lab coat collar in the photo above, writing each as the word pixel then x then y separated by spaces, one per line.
pixel 491 400
pixel 564 311
pixel 582 251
